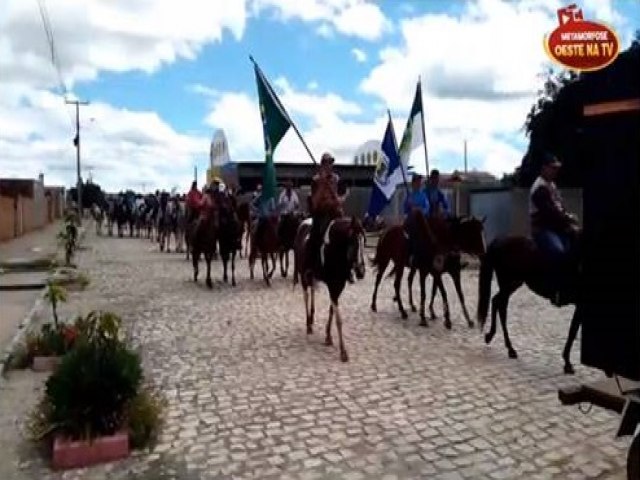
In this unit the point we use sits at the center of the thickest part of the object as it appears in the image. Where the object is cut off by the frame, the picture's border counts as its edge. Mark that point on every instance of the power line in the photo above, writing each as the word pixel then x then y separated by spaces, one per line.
pixel 48 30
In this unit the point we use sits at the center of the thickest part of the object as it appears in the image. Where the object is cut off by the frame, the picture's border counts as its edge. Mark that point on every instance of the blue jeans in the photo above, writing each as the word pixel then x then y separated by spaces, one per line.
pixel 552 243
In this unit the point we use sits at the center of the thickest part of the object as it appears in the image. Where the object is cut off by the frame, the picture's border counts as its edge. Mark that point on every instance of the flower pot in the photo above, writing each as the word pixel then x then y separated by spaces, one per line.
pixel 83 453
pixel 45 364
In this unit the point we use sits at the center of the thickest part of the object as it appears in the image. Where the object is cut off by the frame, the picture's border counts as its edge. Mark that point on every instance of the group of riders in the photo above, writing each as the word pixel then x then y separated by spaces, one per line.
pixel 554 230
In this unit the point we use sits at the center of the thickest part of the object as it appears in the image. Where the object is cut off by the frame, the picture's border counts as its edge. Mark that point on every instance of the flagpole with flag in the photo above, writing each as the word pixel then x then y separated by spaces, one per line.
pixel 414 134
pixel 261 79
pixel 389 173
pixel 395 146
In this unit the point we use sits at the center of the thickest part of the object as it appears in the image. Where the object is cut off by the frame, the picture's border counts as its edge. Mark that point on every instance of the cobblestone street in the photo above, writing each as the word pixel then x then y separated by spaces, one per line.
pixel 250 395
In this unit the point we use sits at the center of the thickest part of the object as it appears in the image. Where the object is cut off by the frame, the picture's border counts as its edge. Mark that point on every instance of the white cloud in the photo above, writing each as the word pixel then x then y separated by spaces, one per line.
pixel 480 73
pixel 313 85
pixel 359 55
pixel 357 18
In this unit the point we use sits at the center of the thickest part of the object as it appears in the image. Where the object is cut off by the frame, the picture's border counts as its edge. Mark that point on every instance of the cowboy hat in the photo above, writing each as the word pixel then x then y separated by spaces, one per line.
pixel 327 158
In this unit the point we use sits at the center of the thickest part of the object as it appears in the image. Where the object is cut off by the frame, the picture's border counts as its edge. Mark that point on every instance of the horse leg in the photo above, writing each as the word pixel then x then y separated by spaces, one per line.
pixel 494 311
pixel 382 266
pixel 343 351
pixel 447 318
pixel 396 285
pixel 195 257
pixel 273 264
pixel 502 311
pixel 412 273
pixel 573 331
pixel 286 263
pixel 225 260
pixel 207 257
pixel 455 275
pixel 265 269
pixel 423 295
pixel 328 341
pixel 434 291
pixel 233 268
pixel 305 294
pixel 282 272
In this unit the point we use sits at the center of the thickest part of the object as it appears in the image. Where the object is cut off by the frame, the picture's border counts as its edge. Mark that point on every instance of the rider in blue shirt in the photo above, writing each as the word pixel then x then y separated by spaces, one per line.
pixel 417 199
pixel 437 200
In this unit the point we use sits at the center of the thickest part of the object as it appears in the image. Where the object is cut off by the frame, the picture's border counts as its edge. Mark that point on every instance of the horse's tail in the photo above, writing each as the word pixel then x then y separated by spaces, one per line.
pixel 484 294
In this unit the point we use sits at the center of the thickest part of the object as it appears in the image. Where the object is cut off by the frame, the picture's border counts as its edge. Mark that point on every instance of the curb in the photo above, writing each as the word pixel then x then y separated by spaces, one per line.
pixel 18 337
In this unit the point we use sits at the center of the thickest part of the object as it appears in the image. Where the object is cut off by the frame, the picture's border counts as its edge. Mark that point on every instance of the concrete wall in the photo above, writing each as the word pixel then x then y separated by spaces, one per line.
pixel 22 214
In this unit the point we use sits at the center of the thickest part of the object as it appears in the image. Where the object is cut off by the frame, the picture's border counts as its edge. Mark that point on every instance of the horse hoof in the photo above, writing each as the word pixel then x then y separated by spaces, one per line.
pixel 328 342
pixel 373 308
pixel 423 323
pixel 470 324
pixel 487 338
pixel 404 315
pixel 209 284
pixel 233 283
pixel 513 354
pixel 344 358
pixel 414 309
pixel 568 369
pixel 447 324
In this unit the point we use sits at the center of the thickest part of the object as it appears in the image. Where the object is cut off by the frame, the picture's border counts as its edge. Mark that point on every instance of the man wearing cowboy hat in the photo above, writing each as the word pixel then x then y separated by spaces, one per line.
pixel 288 202
pixel 553 228
pixel 327 199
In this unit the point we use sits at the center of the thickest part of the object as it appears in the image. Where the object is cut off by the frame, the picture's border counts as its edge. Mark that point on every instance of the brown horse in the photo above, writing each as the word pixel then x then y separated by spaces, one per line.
pixel 287 230
pixel 467 235
pixel 204 241
pixel 229 236
pixel 264 242
pixel 342 252
pixel 393 246
pixel 516 260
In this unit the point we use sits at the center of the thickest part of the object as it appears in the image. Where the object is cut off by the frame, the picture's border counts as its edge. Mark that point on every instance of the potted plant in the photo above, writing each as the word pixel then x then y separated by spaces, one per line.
pixel 45 349
pixel 95 407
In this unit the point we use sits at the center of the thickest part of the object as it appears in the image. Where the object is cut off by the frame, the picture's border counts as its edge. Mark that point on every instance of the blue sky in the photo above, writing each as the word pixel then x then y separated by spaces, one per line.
pixel 163 76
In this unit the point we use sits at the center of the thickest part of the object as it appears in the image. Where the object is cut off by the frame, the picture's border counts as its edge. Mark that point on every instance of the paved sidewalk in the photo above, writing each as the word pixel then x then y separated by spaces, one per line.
pixel 14 305
pixel 33 245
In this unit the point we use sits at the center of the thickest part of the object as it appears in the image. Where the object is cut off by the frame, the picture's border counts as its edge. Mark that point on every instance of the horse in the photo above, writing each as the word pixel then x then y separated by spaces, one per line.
pixel 111 215
pixel 203 241
pixel 287 229
pixel 264 241
pixel 393 246
pixel 166 225
pixel 122 215
pixel 516 260
pixel 244 217
pixel 229 238
pixel 467 235
pixel 98 217
pixel 342 252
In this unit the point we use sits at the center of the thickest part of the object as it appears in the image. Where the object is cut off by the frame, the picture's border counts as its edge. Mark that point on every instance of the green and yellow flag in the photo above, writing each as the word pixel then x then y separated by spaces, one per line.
pixel 275 123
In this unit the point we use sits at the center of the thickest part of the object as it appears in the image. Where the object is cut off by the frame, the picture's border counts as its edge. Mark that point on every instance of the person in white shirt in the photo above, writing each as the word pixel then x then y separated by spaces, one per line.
pixel 288 203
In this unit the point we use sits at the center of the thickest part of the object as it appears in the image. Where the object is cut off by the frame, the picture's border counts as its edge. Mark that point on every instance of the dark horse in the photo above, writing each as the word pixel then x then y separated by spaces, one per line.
pixel 516 260
pixel 204 241
pixel 287 229
pixel 342 252
pixel 467 235
pixel 264 242
pixel 393 246
pixel 229 237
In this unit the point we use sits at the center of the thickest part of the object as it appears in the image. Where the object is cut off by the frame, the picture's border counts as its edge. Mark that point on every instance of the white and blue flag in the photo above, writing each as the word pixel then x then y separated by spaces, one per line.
pixel 388 173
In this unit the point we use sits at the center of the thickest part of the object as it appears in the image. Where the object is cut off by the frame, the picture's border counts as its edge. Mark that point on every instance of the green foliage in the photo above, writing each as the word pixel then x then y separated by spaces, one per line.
pixel 101 328
pixel 144 418
pixel 90 389
pixel 55 294
pixel 68 237
pixel 52 340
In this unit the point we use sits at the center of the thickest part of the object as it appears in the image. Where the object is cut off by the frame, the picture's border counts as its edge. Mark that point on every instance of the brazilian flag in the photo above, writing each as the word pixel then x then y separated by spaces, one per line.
pixel 275 123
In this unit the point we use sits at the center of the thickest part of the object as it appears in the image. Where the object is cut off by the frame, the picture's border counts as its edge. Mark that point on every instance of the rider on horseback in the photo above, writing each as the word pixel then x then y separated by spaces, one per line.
pixel 417 199
pixel 194 197
pixel 288 203
pixel 554 230
pixel 437 201
pixel 327 199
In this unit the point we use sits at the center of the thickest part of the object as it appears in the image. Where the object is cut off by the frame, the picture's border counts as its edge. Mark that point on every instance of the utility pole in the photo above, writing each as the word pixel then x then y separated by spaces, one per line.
pixel 465 155
pixel 76 142
pixel 195 173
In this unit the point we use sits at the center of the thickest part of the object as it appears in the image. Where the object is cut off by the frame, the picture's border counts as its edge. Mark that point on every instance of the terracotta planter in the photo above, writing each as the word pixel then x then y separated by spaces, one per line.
pixel 45 364
pixel 78 454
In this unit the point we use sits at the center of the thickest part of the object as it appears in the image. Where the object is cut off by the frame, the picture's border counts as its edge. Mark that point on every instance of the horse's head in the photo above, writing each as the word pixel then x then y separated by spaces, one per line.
pixel 468 233
pixel 356 240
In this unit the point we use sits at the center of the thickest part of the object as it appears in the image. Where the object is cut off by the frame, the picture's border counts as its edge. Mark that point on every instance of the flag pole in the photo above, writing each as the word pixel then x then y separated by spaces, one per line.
pixel 395 145
pixel 295 128
pixel 424 133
